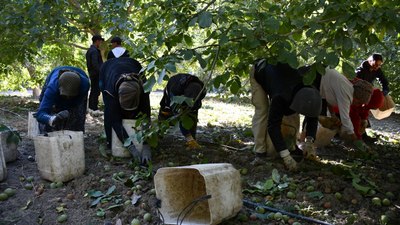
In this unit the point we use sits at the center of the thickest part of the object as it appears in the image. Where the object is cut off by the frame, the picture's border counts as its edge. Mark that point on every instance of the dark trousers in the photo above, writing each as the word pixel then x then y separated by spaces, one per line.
pixel 94 92
pixel 193 129
pixel 75 121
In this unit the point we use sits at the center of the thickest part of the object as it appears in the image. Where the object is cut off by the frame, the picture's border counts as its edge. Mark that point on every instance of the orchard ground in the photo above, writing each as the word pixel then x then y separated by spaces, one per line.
pixel 340 189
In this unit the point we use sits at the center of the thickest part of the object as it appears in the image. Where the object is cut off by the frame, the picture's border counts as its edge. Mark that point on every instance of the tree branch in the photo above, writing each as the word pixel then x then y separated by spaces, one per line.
pixel 129 9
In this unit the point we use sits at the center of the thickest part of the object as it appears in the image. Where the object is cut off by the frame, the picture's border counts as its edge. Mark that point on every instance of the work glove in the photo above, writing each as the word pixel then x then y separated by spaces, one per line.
pixel 360 145
pixel 164 114
pixel 59 118
pixel 146 154
pixel 289 162
pixel 134 152
pixel 192 145
pixel 309 151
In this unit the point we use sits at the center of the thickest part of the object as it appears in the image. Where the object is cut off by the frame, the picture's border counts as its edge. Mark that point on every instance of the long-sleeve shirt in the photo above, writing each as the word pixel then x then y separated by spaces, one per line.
pixel 361 112
pixel 281 83
pixel 50 96
pixel 364 72
pixel 337 90
pixel 93 61
pixel 176 87
pixel 110 79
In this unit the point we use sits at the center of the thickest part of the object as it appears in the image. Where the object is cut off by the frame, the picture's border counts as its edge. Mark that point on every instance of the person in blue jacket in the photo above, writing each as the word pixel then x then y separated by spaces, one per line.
pixel 63 100
pixel 121 84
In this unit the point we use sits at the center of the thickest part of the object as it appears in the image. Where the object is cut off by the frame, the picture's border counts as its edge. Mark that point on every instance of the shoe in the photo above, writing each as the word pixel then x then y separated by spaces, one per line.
pixel 192 145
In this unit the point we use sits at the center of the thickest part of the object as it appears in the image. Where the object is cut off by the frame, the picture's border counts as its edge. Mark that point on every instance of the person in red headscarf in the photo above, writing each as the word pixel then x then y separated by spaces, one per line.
pixel 359 113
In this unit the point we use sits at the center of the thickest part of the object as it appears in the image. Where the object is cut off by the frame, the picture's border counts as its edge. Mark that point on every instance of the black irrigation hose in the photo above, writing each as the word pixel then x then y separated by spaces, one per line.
pixel 251 204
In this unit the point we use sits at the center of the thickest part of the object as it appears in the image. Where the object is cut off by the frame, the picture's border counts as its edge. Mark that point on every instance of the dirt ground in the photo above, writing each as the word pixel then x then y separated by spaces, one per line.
pixel 314 189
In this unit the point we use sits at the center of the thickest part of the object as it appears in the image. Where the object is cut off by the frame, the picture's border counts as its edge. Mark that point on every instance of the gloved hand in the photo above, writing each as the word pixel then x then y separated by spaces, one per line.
pixel 164 114
pixel 134 152
pixel 193 145
pixel 289 162
pixel 146 154
pixel 309 151
pixel 360 145
pixel 59 118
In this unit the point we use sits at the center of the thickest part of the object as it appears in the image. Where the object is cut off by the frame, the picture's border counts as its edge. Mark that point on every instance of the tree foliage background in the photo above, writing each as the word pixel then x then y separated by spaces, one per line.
pixel 216 39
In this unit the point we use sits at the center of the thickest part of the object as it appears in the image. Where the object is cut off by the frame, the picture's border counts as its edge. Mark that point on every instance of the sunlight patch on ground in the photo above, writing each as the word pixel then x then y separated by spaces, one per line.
pixel 211 111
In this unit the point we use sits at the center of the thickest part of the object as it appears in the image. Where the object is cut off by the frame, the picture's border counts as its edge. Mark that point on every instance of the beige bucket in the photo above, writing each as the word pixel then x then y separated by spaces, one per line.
pixel 324 136
pixel 178 187
pixel 61 155
pixel 117 147
pixel 9 150
pixel 3 168
pixel 33 126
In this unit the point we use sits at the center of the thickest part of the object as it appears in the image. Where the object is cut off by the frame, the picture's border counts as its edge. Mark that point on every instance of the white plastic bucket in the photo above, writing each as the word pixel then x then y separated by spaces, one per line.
pixel 9 150
pixel 33 126
pixel 61 155
pixel 3 168
pixel 117 147
pixel 178 187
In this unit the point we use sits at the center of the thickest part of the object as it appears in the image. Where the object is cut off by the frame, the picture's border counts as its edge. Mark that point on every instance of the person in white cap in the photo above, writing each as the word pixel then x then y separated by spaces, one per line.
pixel 63 100
pixel 117 50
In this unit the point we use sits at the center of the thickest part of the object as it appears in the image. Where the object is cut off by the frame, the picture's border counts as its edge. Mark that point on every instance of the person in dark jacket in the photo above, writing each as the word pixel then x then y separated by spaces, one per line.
pixel 124 98
pixel 278 91
pixel 63 100
pixel 370 70
pixel 188 86
pixel 94 62
pixel 117 50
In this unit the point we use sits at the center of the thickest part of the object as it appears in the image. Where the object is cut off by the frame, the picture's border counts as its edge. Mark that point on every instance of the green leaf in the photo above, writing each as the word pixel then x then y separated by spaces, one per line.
pixel 110 190
pixel 315 194
pixel 234 87
pixel 348 70
pixel 188 40
pixel 161 76
pixel 148 86
pixel 276 177
pixel 272 23
pixel 187 122
pixel 205 19
pixel 100 213
pixel 201 61
pixel 331 59
pixel 151 65
pixel 193 22
pixel 269 184
pixel 363 189
pixel 96 201
pixel 309 77
pixel 171 67
pixel 96 194
pixel 187 54
pixel 223 39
